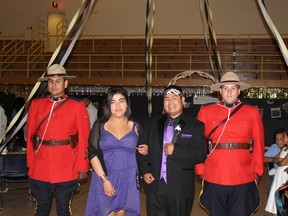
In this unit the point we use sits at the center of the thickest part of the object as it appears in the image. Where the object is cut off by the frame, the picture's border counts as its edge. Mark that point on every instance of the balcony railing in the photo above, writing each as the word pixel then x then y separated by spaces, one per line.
pixel 120 58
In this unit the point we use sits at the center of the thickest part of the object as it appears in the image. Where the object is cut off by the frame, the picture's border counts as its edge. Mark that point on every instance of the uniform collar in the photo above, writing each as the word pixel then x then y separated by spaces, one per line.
pixel 229 105
pixel 55 99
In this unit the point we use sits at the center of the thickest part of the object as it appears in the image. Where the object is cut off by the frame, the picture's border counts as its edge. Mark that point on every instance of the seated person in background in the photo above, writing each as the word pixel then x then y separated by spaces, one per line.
pixel 278 199
pixel 281 176
pixel 272 154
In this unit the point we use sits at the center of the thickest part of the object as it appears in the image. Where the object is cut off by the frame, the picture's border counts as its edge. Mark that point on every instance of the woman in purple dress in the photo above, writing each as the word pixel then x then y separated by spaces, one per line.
pixel 113 189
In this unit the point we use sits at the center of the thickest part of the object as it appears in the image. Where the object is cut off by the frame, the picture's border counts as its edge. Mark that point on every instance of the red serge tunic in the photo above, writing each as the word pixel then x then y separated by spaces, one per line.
pixel 58 163
pixel 238 166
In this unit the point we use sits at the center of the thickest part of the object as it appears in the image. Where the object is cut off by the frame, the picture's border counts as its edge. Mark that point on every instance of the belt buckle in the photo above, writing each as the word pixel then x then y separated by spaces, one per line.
pixel 230 146
pixel 51 143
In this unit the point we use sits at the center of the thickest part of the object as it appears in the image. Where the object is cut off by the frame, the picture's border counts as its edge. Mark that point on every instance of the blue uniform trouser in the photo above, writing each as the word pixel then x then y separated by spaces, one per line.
pixel 236 200
pixel 44 192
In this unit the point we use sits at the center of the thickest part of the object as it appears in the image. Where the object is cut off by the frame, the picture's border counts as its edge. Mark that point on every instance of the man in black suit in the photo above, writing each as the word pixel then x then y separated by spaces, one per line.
pixel 168 168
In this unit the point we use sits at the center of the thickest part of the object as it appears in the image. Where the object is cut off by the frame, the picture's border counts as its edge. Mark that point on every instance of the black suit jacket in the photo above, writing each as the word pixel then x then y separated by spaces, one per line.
pixel 189 149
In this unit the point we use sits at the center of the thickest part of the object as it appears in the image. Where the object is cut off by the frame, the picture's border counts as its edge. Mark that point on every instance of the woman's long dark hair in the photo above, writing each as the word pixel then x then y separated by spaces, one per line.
pixel 107 102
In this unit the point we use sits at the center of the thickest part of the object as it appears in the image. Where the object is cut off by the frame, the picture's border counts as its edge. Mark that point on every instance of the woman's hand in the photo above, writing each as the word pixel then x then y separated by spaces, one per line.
pixel 142 149
pixel 108 188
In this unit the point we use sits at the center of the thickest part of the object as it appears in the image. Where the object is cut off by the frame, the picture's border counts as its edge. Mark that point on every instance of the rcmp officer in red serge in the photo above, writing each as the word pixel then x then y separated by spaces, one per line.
pixel 231 169
pixel 57 139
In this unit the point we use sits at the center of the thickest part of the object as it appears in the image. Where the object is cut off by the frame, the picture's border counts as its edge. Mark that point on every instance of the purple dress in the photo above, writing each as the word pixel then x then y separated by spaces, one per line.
pixel 121 165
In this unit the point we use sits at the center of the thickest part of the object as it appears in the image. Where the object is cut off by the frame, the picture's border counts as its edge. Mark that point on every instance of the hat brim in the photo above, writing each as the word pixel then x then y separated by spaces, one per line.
pixel 43 79
pixel 216 86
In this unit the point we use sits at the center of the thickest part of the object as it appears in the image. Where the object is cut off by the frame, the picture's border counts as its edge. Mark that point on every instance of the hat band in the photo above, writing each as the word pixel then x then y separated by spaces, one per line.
pixel 229 81
pixel 62 74
pixel 173 91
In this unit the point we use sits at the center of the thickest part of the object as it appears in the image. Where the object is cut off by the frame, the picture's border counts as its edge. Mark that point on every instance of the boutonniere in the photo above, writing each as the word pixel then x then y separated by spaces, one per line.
pixel 178 129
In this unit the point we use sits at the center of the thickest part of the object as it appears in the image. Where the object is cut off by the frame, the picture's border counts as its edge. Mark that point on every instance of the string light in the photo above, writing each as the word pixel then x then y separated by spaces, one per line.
pixel 194 91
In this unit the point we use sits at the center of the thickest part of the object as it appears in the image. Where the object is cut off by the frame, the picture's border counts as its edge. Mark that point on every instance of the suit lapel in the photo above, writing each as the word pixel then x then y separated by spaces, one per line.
pixel 161 126
pixel 182 124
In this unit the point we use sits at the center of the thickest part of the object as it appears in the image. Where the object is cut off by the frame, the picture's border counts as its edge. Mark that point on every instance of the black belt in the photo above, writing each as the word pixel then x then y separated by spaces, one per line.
pixel 231 146
pixel 52 143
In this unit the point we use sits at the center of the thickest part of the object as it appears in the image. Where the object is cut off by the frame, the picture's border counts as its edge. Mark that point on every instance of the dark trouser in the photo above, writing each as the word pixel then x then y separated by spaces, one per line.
pixel 44 192
pixel 239 200
pixel 163 205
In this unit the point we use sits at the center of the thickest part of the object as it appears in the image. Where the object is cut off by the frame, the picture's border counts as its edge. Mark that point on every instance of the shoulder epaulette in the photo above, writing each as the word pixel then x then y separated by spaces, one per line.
pixel 207 104
pixel 37 98
pixel 76 99
pixel 247 104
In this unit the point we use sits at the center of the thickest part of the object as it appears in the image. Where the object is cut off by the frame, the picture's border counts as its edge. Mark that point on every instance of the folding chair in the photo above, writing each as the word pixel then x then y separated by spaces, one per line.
pixel 13 169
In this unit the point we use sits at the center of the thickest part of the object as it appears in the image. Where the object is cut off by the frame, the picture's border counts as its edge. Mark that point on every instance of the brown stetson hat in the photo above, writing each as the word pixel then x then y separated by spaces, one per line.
pixel 229 78
pixel 55 70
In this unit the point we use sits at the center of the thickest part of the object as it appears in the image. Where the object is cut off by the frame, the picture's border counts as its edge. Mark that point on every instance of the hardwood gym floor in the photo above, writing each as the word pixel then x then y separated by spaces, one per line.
pixel 18 203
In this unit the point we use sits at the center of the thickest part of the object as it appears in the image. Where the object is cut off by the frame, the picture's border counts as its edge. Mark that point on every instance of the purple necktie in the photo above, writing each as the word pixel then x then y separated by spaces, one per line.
pixel 168 135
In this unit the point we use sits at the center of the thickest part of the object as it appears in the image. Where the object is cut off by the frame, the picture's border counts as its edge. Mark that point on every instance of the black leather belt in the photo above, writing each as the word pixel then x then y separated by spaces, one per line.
pixel 52 143
pixel 231 146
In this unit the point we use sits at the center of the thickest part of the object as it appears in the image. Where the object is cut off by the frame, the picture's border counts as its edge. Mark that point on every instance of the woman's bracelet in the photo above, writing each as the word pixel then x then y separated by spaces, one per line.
pixel 103 178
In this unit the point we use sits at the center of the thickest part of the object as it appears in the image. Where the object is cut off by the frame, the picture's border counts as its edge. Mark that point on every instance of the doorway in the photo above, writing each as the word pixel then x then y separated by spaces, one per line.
pixel 54 22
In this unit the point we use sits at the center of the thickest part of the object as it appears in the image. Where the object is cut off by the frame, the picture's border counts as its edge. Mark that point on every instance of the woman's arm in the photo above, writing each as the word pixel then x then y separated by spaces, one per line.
pixel 98 169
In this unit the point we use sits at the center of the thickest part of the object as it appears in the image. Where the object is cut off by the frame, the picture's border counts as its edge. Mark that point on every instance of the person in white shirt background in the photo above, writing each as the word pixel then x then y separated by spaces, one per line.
pixel 92 110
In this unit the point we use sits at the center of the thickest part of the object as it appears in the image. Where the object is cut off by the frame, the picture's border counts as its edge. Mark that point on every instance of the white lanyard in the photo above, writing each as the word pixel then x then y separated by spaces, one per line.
pixel 228 118
pixel 49 117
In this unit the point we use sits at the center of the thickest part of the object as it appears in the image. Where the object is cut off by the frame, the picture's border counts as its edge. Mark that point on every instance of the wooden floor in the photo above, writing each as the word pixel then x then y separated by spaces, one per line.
pixel 18 202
